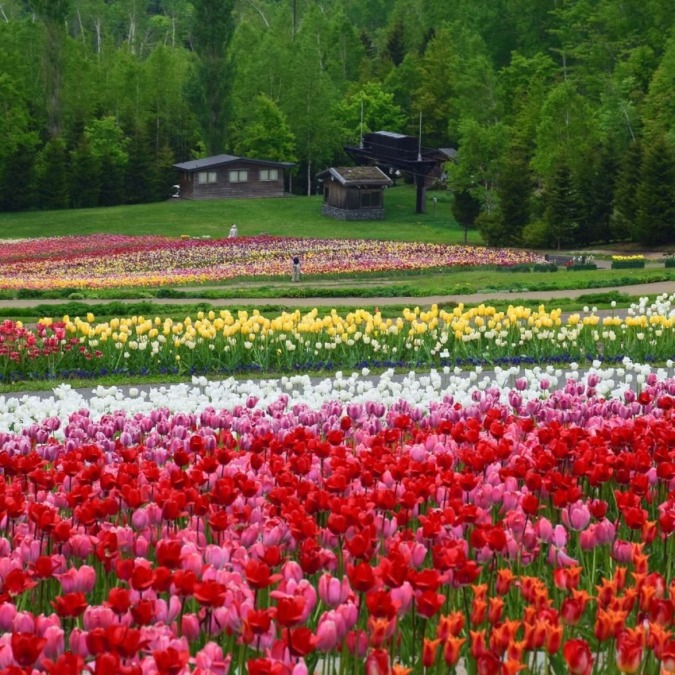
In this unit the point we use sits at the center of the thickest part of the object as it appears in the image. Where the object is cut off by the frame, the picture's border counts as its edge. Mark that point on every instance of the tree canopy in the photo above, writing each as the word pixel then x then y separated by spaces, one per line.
pixel 546 103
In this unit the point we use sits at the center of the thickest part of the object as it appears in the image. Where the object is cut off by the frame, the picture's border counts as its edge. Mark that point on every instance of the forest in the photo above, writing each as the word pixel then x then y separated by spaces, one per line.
pixel 562 111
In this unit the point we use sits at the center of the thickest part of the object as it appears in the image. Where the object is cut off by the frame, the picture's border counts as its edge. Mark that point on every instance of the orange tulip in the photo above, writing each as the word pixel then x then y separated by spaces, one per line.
pixel 553 639
pixel 478 645
pixel 478 612
pixel 451 650
pixel 496 610
pixel 505 578
pixel 429 650
pixel 511 667
pixel 451 624
pixel 658 639
pixel 628 655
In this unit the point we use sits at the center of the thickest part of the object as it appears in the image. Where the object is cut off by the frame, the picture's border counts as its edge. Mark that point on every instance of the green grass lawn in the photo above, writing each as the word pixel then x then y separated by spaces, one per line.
pixel 287 217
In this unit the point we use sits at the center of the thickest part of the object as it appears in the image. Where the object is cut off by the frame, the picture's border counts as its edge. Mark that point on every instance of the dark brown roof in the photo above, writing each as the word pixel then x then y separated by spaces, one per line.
pixel 220 160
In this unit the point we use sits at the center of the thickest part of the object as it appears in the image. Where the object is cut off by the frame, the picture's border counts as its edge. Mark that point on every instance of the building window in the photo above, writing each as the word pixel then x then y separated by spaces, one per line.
pixel 207 177
pixel 269 174
pixel 239 176
pixel 372 200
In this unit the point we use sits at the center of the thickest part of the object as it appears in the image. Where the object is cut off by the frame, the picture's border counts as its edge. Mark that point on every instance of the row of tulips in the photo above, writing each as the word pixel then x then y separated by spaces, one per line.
pixel 105 261
pixel 485 527
pixel 226 342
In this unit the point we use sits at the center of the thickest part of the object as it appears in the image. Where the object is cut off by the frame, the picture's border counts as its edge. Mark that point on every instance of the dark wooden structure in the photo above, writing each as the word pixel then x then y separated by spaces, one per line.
pixel 397 152
pixel 227 176
pixel 354 192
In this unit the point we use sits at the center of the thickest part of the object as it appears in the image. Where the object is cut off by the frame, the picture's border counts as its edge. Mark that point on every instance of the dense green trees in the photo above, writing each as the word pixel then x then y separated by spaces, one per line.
pixel 562 112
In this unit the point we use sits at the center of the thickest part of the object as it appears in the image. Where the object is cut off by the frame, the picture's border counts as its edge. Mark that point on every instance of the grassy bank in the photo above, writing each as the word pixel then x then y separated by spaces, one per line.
pixel 287 217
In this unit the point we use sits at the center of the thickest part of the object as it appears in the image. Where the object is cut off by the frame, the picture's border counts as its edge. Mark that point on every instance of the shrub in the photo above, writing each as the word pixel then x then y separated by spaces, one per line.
pixel 536 235
pixel 545 267
pixel 514 268
pixel 670 262
pixel 577 267
pixel 627 264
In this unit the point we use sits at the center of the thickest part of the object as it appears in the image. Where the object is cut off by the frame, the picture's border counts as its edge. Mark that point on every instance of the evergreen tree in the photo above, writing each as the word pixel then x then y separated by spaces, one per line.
pixel 395 43
pixel 53 177
pixel 85 185
pixel 164 174
pixel 17 190
pixel 140 177
pixel 656 195
pixel 514 192
pixel 624 205
pixel 561 206
pixel 594 185
pixel 112 179
pixel 465 209
pixel 211 79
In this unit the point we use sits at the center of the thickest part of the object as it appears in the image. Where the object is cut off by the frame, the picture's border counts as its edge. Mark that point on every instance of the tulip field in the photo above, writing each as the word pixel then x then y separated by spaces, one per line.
pixel 113 261
pixel 498 498
pixel 520 520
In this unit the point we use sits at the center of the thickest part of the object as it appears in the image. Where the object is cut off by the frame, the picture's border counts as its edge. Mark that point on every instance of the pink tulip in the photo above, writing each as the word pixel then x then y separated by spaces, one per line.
pixel 576 516
pixel 55 642
pixel 332 591
pixel 190 627
pixel 24 622
pixel 210 659
pixel 7 616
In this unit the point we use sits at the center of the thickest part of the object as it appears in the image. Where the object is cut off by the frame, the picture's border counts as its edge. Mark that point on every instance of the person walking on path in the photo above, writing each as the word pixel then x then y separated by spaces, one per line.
pixel 295 269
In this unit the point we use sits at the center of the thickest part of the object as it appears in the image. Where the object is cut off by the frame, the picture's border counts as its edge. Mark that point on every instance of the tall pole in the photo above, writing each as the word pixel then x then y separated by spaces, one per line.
pixel 420 178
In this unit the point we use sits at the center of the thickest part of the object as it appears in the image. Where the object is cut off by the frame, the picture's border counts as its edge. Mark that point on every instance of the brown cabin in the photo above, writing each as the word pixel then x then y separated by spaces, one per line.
pixel 229 177
pixel 354 192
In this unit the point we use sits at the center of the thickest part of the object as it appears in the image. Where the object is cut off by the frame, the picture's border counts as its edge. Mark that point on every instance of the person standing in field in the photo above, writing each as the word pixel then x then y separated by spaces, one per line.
pixel 233 231
pixel 295 268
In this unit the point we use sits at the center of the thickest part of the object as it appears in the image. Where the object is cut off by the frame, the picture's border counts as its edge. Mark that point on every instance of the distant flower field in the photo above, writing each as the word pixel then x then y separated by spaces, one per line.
pixel 108 261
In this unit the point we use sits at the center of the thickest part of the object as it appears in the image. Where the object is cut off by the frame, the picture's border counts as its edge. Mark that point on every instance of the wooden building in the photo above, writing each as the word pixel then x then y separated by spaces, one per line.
pixel 354 192
pixel 226 177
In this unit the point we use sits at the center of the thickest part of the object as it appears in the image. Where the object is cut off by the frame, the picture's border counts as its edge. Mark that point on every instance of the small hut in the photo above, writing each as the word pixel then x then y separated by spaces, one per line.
pixel 354 192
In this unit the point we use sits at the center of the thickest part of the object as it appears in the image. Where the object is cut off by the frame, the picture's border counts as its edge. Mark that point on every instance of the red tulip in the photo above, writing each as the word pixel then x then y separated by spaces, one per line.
pixel 258 574
pixel 69 605
pixel 429 602
pixel 26 648
pixel 210 593
pixel 168 553
pixel 119 600
pixel 578 657
pixel 301 641
pixel 361 577
pixel 377 663
pixel 290 610
pixel 170 661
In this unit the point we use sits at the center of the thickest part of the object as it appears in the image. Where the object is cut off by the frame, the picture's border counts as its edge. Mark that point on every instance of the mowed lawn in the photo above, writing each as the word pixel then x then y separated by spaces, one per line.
pixel 293 216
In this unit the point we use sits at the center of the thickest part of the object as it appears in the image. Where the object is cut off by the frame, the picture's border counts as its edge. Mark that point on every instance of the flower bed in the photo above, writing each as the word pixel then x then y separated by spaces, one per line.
pixel 241 342
pixel 105 261
pixel 502 521
pixel 627 262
